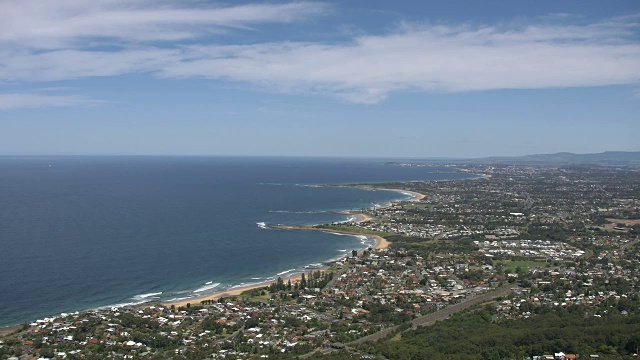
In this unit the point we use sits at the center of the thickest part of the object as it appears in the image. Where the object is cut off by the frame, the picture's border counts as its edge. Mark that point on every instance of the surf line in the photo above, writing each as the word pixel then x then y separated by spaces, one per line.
pixel 380 242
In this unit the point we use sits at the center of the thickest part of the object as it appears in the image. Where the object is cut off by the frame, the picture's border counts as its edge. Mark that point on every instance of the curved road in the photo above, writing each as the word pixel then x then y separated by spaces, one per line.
pixel 440 315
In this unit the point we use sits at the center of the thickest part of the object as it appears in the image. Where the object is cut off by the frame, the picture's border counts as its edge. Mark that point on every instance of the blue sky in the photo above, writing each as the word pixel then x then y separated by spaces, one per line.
pixel 348 78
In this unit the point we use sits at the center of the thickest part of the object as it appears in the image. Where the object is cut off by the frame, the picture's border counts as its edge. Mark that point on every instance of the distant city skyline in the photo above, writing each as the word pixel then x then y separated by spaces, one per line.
pixel 312 78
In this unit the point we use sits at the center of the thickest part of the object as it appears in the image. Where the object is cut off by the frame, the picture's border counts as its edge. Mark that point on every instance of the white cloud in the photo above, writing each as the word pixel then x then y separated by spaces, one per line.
pixel 25 65
pixel 60 23
pixel 23 100
pixel 429 58
pixel 366 69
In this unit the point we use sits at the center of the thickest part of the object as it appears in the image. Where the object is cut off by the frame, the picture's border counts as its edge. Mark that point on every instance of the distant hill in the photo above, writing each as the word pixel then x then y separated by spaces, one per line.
pixel 607 158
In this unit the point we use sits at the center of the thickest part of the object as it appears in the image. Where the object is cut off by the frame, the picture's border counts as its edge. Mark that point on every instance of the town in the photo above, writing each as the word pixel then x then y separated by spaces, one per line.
pixel 520 245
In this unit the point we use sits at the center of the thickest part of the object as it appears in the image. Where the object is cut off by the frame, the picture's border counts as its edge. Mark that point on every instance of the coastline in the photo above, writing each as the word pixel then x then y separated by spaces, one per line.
pixel 371 187
pixel 235 291
pixel 416 195
pixel 380 243
pixel 360 217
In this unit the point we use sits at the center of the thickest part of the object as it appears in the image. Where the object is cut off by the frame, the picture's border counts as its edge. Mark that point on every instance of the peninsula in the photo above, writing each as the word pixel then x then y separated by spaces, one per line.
pixel 516 255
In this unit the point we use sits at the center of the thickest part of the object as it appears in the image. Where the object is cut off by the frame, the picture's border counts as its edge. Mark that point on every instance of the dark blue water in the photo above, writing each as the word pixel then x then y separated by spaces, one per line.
pixel 83 232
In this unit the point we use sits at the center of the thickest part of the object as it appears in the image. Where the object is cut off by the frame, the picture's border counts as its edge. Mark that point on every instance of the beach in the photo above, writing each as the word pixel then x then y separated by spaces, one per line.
pixel 380 243
pixel 236 291
pixel 416 195
pixel 195 215
pixel 360 218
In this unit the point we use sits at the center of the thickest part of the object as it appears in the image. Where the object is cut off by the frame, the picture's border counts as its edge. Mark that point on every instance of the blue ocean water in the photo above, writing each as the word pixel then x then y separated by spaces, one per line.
pixel 84 232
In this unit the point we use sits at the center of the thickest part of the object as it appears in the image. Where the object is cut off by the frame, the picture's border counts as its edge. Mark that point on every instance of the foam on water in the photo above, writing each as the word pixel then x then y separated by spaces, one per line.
pixel 174 222
pixel 286 271
pixel 206 288
pixel 146 296
pixel 297 212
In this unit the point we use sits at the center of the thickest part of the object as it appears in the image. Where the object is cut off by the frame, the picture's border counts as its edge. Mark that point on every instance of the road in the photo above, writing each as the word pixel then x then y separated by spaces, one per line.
pixel 440 315
pixel 425 320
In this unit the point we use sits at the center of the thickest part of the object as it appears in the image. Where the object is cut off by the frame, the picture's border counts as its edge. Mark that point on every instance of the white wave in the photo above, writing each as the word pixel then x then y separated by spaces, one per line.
pixel 136 301
pixel 256 278
pixel 351 219
pixel 410 196
pixel 314 266
pixel 338 258
pixel 179 299
pixel 334 233
pixel 208 283
pixel 150 295
pixel 121 305
pixel 284 272
pixel 298 212
pixel 206 287
pixel 241 285
pixel 343 250
pixel 261 225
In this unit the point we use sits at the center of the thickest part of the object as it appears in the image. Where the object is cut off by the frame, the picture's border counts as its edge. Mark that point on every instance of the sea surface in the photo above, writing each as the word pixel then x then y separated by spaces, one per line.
pixel 85 232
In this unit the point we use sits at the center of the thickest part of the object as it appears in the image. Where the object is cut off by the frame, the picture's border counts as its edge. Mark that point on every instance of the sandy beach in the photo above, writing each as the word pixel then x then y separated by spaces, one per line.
pixel 416 195
pixel 360 218
pixel 380 243
pixel 232 292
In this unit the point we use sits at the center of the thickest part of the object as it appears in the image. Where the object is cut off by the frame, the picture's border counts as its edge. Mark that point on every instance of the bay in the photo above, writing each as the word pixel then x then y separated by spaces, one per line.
pixel 83 232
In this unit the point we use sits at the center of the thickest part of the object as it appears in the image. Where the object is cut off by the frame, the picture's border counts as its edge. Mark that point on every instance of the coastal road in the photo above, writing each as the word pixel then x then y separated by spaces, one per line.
pixel 440 315
pixel 427 320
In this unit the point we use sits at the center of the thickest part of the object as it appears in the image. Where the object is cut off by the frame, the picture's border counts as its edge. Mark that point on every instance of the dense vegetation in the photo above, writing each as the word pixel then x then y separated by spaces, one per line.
pixel 479 336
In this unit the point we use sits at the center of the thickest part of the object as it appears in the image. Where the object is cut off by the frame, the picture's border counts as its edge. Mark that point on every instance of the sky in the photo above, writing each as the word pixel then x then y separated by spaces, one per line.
pixel 364 78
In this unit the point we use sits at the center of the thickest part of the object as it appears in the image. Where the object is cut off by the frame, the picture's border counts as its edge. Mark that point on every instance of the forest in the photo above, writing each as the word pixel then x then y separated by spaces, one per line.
pixel 478 335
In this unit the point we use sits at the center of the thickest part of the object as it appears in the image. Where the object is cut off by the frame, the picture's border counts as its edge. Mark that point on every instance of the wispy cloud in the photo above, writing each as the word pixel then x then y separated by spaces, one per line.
pixel 26 100
pixel 61 23
pixel 430 58
pixel 366 69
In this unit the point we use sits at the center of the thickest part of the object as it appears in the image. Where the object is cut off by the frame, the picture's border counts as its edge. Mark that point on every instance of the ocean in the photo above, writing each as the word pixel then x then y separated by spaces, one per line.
pixel 84 232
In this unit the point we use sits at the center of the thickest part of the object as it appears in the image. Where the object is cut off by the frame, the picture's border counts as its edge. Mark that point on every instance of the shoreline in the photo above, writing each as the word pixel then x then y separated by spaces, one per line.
pixel 416 195
pixel 231 292
pixel 380 243
pixel 360 217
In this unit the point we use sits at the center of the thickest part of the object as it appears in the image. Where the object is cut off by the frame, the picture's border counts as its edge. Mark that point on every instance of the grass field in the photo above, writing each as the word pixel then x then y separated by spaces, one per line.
pixel 627 222
pixel 510 266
